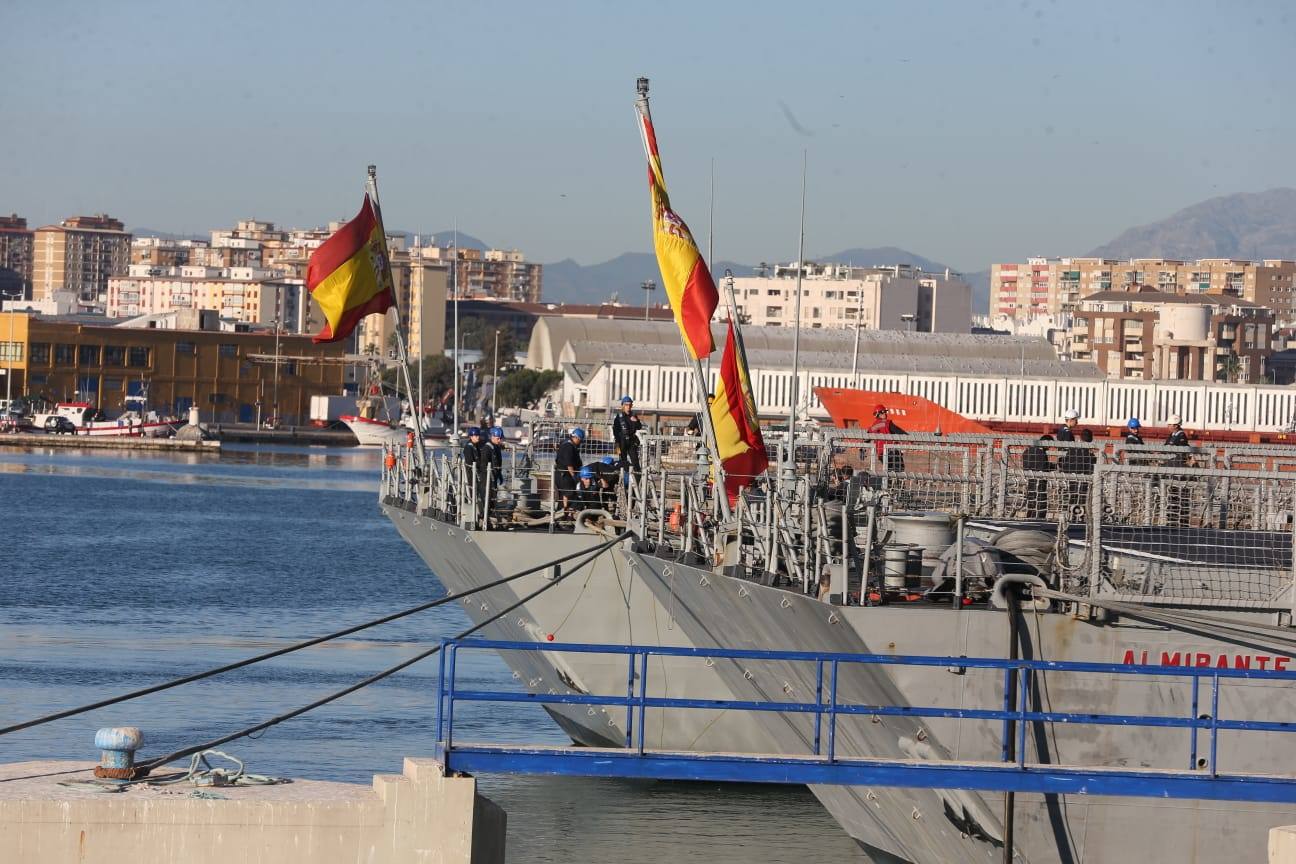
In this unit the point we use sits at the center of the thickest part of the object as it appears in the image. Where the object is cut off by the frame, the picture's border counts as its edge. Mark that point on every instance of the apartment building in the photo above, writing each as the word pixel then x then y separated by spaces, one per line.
pixel 502 274
pixel 874 298
pixel 1149 334
pixel 16 242
pixel 247 295
pixel 1052 286
pixel 163 252
pixel 422 287
pixel 79 255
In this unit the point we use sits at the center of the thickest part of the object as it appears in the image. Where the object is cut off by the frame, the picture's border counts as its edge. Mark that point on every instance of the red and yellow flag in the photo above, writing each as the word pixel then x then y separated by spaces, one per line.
pixel 692 293
pixel 349 275
pixel 733 416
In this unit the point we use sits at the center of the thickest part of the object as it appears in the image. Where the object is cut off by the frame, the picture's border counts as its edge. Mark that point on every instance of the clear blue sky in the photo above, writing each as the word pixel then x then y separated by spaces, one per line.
pixel 968 132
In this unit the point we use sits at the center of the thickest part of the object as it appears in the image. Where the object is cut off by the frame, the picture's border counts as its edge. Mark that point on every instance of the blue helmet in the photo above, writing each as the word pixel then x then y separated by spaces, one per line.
pixel 474 430
pixel 626 400
pixel 608 460
pixel 1134 423
pixel 577 432
pixel 586 472
pixel 496 432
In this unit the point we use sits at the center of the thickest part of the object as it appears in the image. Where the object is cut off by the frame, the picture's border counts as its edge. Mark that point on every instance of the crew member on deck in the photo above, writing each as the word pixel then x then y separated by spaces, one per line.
pixel 1177 437
pixel 587 492
pixel 1177 493
pixel 472 454
pixel 567 464
pixel 607 473
pixel 883 425
pixel 1070 420
pixel 493 455
pixel 1132 435
pixel 625 431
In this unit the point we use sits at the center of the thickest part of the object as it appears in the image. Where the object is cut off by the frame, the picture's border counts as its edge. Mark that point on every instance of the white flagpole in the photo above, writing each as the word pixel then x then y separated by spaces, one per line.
pixel 645 114
pixel 371 187
pixel 796 333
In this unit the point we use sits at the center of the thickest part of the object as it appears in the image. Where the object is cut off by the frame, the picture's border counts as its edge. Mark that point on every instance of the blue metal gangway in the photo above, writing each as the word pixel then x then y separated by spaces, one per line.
pixel 1012 772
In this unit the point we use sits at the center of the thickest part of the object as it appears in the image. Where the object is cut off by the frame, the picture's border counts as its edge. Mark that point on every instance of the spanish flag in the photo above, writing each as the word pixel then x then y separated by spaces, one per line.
pixel 692 294
pixel 349 275
pixel 733 415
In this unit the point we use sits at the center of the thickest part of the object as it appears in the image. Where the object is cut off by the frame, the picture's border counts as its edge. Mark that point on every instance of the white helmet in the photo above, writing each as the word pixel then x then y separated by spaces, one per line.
pixel 1175 420
pixel 1071 414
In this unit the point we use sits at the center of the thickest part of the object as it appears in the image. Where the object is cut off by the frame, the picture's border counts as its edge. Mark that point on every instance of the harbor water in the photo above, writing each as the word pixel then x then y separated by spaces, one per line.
pixel 123 569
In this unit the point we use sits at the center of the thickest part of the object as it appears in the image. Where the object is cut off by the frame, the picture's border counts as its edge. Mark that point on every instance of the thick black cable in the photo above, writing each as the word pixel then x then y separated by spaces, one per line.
pixel 145 767
pixel 288 649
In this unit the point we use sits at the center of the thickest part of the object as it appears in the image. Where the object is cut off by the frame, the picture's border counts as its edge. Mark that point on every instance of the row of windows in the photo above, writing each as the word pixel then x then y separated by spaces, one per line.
pixel 90 355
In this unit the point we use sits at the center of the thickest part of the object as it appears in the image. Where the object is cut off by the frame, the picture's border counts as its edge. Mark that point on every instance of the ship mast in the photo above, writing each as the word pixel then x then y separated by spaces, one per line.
pixel 708 428
pixel 796 332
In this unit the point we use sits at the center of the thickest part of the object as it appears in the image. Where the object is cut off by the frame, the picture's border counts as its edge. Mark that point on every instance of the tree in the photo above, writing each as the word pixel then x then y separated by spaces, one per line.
pixel 478 334
pixel 438 376
pixel 523 388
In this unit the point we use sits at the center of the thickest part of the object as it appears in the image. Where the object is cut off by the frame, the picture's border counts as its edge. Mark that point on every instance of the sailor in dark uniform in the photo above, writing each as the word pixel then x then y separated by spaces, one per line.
pixel 1070 420
pixel 1177 493
pixel 567 464
pixel 1132 435
pixel 625 432
pixel 607 473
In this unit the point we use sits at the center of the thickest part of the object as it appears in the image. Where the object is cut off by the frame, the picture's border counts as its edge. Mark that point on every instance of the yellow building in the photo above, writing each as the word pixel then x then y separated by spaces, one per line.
pixel 78 255
pixel 225 374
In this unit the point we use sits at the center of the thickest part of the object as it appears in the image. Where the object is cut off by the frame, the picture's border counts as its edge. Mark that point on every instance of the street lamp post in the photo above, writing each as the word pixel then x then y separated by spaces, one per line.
pixel 495 375
pixel 648 287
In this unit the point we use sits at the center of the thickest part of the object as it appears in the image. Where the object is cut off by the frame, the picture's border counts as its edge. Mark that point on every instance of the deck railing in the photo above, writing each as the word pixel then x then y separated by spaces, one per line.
pixel 822 762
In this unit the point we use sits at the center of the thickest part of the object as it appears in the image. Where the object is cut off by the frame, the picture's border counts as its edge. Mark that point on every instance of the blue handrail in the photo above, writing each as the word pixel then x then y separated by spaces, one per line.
pixel 637 702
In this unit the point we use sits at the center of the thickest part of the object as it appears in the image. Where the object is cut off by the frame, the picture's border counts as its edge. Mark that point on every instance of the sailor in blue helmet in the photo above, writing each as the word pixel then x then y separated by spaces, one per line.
pixel 587 493
pixel 1132 431
pixel 493 455
pixel 472 451
pixel 607 473
pixel 567 465
pixel 625 432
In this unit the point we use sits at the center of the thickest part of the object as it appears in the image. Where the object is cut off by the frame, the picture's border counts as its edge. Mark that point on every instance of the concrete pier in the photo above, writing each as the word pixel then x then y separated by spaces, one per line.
pixel 107 442
pixel 418 816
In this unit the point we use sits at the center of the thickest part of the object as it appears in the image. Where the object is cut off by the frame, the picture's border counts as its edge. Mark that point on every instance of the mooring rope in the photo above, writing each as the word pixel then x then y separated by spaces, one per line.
pixel 144 767
pixel 279 652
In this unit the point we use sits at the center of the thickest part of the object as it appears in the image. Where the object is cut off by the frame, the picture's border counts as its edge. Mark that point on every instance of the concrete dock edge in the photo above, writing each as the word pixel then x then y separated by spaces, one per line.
pixel 420 816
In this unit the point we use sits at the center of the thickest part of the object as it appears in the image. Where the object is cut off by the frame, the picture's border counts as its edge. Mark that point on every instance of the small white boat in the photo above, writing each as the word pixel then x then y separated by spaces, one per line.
pixel 374 433
pixel 88 420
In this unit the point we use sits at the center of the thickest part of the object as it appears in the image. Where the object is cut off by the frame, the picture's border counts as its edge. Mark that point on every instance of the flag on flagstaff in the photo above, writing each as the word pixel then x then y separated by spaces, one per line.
pixel 692 293
pixel 350 276
pixel 733 415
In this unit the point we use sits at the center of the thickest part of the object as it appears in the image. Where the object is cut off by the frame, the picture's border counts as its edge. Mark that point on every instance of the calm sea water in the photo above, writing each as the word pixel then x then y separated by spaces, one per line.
pixel 119 570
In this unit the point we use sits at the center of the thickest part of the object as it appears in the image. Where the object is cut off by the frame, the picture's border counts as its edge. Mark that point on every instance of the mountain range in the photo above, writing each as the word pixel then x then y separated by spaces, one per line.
pixel 1249 225
pixel 1246 225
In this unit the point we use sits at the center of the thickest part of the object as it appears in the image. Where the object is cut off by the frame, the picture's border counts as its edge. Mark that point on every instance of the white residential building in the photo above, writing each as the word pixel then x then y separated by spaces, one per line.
pixel 249 295
pixel 874 298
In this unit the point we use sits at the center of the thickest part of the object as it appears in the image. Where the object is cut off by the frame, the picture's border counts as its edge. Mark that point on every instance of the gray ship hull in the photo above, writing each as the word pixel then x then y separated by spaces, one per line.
pixel 610 602
pixel 726 612
pixel 604 603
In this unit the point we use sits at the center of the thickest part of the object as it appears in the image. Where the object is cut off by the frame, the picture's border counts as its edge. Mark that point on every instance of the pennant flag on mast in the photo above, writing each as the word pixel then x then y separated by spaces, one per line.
pixel 733 414
pixel 349 275
pixel 689 287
